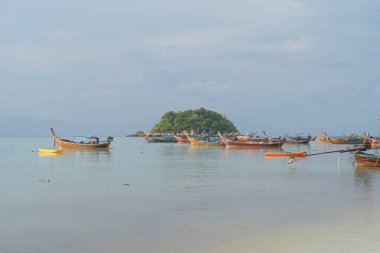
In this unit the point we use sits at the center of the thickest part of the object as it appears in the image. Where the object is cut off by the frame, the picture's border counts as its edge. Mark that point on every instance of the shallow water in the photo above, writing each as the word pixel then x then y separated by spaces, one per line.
pixel 140 197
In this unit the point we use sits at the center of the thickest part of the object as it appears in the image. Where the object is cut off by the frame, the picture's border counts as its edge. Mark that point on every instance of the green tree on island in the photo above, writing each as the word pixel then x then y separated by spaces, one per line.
pixel 199 120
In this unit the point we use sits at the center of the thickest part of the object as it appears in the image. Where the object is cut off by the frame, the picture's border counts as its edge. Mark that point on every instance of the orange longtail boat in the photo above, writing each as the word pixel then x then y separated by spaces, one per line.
pixel 232 144
pixel 289 154
pixel 82 142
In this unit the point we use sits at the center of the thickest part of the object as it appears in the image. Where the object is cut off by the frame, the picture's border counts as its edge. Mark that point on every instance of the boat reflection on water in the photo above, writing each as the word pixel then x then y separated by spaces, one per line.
pixel 367 184
pixel 205 150
pixel 81 150
pixel 80 156
pixel 365 176
pixel 49 154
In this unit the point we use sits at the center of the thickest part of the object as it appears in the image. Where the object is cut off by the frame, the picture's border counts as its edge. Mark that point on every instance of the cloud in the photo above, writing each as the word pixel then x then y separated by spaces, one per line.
pixel 210 87
pixel 295 46
pixel 202 39
pixel 136 60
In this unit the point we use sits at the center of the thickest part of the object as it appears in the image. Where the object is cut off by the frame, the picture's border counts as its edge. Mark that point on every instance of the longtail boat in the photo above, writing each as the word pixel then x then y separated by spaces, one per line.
pixel 232 144
pixel 81 142
pixel 162 138
pixel 257 138
pixel 371 140
pixel 324 137
pixel 288 154
pixel 353 139
pixel 271 139
pixel 181 139
pixel 367 160
pixel 298 139
pixel 203 141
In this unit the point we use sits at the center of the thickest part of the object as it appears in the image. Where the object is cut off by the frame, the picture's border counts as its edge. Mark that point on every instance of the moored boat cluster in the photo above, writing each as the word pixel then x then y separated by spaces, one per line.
pixel 237 141
pixel 230 140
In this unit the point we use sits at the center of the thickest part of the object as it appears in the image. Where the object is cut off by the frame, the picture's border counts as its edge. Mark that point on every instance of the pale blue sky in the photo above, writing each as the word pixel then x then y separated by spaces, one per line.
pixel 114 67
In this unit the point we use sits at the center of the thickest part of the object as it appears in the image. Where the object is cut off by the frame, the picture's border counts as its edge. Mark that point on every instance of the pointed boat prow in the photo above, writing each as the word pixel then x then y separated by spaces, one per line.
pixel 52 132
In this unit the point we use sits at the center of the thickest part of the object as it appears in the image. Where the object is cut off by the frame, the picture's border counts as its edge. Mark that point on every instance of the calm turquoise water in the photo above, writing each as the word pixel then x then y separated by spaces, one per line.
pixel 140 197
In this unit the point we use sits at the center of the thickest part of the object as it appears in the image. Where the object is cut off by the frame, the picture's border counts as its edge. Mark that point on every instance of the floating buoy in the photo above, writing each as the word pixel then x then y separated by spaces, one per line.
pixel 50 151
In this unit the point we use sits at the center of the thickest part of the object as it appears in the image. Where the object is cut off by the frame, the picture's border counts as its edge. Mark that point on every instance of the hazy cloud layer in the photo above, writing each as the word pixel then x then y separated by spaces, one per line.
pixel 115 67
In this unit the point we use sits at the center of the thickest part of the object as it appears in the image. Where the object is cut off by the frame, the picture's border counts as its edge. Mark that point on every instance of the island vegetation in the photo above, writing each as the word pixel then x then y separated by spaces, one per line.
pixel 199 121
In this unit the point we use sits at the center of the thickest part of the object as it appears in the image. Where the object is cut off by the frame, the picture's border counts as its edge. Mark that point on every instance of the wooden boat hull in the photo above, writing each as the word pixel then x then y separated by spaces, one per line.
pixel 345 141
pixel 288 154
pixel 231 144
pixel 253 146
pixel 159 140
pixel 367 160
pixel 297 140
pixel 63 143
pixel 250 144
pixel 70 144
pixel 194 141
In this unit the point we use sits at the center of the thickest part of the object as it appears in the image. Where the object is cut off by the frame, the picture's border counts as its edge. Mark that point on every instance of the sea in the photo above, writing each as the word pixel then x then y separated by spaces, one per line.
pixel 174 198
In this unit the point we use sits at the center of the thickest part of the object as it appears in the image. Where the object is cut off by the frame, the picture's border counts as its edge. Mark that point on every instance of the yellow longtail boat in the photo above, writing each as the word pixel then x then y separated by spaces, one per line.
pixel 323 137
pixel 203 141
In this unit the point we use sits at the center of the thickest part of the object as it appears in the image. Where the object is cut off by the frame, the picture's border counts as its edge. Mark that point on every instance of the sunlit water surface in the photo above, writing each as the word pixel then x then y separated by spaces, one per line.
pixel 163 198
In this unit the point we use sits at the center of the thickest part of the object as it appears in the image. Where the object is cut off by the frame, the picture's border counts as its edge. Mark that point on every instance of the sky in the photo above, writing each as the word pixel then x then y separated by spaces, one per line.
pixel 115 67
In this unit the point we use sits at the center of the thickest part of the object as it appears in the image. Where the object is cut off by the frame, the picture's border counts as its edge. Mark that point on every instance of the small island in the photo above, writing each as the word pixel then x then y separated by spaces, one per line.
pixel 198 121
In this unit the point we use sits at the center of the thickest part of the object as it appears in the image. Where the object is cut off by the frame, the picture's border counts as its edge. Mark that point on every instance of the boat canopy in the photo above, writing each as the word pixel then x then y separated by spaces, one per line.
pixel 86 139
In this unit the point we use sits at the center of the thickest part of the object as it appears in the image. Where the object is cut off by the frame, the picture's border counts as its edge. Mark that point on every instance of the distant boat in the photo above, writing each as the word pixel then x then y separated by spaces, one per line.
pixel 232 144
pixel 373 141
pixel 161 138
pixel 298 139
pixel 367 160
pixel 324 137
pixel 352 139
pixel 251 138
pixel 257 138
pixel 203 140
pixel 81 142
pixel 181 139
